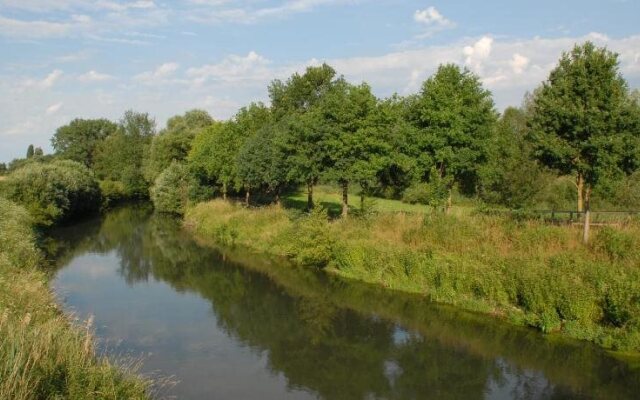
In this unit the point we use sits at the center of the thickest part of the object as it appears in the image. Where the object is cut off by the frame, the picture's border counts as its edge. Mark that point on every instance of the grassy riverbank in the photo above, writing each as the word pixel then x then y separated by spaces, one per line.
pixel 527 272
pixel 42 354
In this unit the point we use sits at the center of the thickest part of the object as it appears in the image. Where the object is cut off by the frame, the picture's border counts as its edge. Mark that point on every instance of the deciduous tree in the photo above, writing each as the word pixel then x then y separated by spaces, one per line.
pixel 578 118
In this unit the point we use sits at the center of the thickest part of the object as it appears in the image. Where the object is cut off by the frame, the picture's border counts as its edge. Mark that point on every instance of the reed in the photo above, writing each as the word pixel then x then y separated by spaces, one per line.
pixel 43 354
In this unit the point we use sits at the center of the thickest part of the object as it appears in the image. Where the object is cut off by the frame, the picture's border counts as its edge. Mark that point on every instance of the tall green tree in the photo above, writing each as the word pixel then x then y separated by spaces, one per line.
pixel 291 103
pixel 214 153
pixel 174 142
pixel 511 176
pixel 262 162
pixel 402 166
pixel 120 156
pixel 355 150
pixel 30 151
pixel 455 117
pixel 78 140
pixel 578 118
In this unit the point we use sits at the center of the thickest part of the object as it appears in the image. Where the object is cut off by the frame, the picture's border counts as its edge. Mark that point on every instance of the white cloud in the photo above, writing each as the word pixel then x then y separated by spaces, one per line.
pixel 45 6
pixel 159 75
pixel 431 16
pixel 45 83
pixel 33 29
pixel 94 76
pixel 116 6
pixel 519 63
pixel 477 53
pixel 247 14
pixel 233 68
pixel 89 19
pixel 54 108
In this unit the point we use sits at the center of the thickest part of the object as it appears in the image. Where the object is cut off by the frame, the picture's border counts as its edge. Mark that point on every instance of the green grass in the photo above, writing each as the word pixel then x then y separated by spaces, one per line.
pixel 43 355
pixel 526 271
pixel 330 198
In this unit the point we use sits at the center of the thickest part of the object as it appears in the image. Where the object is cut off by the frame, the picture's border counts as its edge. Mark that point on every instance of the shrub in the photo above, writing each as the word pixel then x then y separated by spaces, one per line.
pixel 113 192
pixel 616 244
pixel 54 192
pixel 424 193
pixel 17 240
pixel 312 242
pixel 173 189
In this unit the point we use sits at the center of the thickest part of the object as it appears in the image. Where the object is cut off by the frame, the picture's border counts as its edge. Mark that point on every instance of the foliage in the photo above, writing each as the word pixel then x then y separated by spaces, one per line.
pixel 579 114
pixel 174 142
pixel 173 189
pixel 113 192
pixel 433 194
pixel 261 160
pixel 455 118
pixel 79 139
pixel 120 156
pixel 54 192
pixel 511 176
pixel 311 243
pixel 292 104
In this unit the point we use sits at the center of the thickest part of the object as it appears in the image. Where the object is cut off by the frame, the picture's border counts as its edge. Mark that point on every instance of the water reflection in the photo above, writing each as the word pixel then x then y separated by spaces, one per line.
pixel 233 325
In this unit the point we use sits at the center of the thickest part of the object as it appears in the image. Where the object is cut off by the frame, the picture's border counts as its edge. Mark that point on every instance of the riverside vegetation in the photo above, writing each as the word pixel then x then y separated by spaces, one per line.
pixel 573 144
pixel 527 271
pixel 43 355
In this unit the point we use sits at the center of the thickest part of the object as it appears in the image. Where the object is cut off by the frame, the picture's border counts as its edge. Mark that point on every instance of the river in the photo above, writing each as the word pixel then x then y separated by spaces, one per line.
pixel 229 324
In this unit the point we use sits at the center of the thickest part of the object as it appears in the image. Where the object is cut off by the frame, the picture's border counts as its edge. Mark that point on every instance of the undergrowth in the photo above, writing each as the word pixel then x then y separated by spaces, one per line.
pixel 528 272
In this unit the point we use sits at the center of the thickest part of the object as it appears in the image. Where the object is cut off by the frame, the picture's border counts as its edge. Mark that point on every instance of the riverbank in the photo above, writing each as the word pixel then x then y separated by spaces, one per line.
pixel 42 353
pixel 527 272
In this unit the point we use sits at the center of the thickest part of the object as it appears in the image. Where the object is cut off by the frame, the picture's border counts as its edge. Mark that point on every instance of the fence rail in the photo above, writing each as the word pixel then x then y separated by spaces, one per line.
pixel 597 217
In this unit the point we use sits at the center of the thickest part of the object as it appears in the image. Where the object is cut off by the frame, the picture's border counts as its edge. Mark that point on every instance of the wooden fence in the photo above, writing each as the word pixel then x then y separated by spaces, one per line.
pixel 597 217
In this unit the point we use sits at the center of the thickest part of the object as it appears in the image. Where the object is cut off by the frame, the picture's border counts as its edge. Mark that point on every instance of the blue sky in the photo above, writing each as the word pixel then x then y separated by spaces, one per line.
pixel 62 59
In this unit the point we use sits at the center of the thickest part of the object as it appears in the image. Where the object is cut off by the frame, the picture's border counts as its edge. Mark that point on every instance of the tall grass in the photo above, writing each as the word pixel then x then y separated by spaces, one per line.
pixel 42 354
pixel 526 271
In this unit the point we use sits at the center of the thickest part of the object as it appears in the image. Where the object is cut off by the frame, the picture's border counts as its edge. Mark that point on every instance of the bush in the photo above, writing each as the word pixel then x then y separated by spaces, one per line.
pixel 615 244
pixel 312 243
pixel 426 193
pixel 173 189
pixel 54 192
pixel 17 239
pixel 113 192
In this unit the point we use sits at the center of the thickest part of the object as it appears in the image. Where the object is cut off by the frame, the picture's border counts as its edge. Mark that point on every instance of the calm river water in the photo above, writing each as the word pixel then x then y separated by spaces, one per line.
pixel 233 325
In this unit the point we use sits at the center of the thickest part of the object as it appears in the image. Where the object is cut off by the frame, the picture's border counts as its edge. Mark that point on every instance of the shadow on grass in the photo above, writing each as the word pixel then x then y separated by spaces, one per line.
pixel 333 209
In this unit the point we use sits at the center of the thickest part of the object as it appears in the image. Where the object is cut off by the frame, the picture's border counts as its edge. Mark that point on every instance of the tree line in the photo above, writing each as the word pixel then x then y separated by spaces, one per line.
pixel 582 124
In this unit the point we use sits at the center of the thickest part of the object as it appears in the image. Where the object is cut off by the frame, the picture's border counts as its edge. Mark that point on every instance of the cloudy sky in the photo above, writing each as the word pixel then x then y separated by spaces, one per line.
pixel 63 59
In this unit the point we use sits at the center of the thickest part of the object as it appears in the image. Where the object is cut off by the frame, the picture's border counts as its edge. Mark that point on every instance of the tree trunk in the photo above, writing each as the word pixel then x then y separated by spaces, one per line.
pixel 309 196
pixel 224 191
pixel 345 199
pixel 362 201
pixel 449 203
pixel 587 215
pixel 580 187
pixel 246 198
pixel 278 196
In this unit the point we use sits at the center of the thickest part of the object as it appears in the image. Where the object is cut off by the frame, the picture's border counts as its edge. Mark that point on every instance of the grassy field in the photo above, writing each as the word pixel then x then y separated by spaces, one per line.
pixel 330 198
pixel 528 272
pixel 42 354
